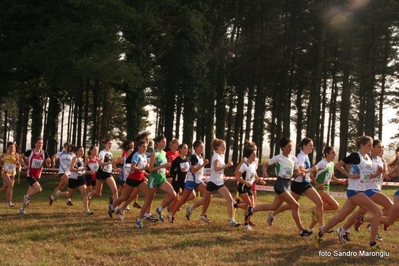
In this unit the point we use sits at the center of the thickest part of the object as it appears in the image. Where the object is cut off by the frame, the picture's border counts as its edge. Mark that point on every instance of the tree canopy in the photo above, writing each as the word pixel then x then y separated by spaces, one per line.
pixel 81 71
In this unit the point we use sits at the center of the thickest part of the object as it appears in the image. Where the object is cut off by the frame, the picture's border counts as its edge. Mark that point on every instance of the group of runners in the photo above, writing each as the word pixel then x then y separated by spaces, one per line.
pixel 144 170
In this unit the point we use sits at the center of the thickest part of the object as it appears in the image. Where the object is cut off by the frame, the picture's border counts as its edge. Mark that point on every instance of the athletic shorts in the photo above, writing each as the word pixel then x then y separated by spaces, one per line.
pixel 210 186
pixel 133 183
pixel 103 175
pixel 32 180
pixel 191 185
pixel 244 189
pixel 74 183
pixel 351 193
pixel 60 175
pixel 396 193
pixel 121 182
pixel 371 192
pixel 155 182
pixel 282 185
pixel 299 188
pixel 90 181
pixel 178 185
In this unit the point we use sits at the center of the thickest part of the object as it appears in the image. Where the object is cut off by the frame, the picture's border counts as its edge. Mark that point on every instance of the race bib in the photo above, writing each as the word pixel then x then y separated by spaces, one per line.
pixel 327 179
pixel 366 176
pixel 286 172
pixel 184 167
pixel 107 168
pixel 36 163
pixel 127 169
pixel 10 168
pixel 162 171
pixel 93 166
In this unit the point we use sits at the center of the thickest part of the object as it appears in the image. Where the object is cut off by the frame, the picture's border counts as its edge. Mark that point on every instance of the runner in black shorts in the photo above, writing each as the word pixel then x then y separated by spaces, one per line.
pixel 286 166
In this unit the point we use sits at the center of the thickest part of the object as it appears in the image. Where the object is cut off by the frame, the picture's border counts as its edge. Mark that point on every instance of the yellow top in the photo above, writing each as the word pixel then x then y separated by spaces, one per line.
pixel 9 164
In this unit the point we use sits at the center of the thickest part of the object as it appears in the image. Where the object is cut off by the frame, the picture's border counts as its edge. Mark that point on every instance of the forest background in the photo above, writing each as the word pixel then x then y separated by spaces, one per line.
pixel 81 71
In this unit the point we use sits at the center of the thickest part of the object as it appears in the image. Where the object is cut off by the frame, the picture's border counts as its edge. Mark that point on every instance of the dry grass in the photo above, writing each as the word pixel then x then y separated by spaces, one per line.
pixel 63 236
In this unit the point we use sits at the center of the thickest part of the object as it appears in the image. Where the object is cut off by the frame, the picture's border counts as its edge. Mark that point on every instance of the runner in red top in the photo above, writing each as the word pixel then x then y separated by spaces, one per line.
pixel 35 160
pixel 171 155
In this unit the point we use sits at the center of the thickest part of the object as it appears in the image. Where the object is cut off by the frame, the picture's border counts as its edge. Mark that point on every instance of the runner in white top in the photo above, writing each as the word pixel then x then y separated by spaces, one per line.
pixel 246 176
pixel 64 163
pixel 285 165
pixel 195 181
pixel 301 184
pixel 216 181
pixel 372 190
pixel 104 173
pixel 361 169
pixel 77 180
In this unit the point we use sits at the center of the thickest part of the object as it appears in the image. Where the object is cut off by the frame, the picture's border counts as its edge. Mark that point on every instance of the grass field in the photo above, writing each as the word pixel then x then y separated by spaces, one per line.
pixel 62 235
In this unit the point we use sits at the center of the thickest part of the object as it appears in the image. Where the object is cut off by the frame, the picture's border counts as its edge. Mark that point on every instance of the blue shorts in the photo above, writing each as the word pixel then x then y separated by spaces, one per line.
pixel 396 193
pixel 351 193
pixel 371 192
pixel 191 185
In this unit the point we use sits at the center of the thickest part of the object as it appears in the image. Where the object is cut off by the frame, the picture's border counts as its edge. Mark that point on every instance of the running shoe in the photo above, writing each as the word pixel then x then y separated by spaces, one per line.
pixel 171 218
pixel 189 211
pixel 22 211
pixel 205 218
pixel 247 227
pixel 139 225
pixel 151 218
pixel 314 216
pixel 249 212
pixel 136 205
pixel 310 231
pixel 26 201
pixel 377 237
pixel 270 218
pixel 120 212
pixel 51 200
pixel 359 222
pixel 160 215
pixel 127 208
pixel 10 204
pixel 233 223
pixel 347 236
pixel 317 239
pixel 69 203
pixel 88 213
pixel 376 248
pixel 304 233
pixel 340 233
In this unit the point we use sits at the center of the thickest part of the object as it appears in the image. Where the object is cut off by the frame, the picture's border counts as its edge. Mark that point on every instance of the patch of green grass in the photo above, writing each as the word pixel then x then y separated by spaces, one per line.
pixel 62 235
